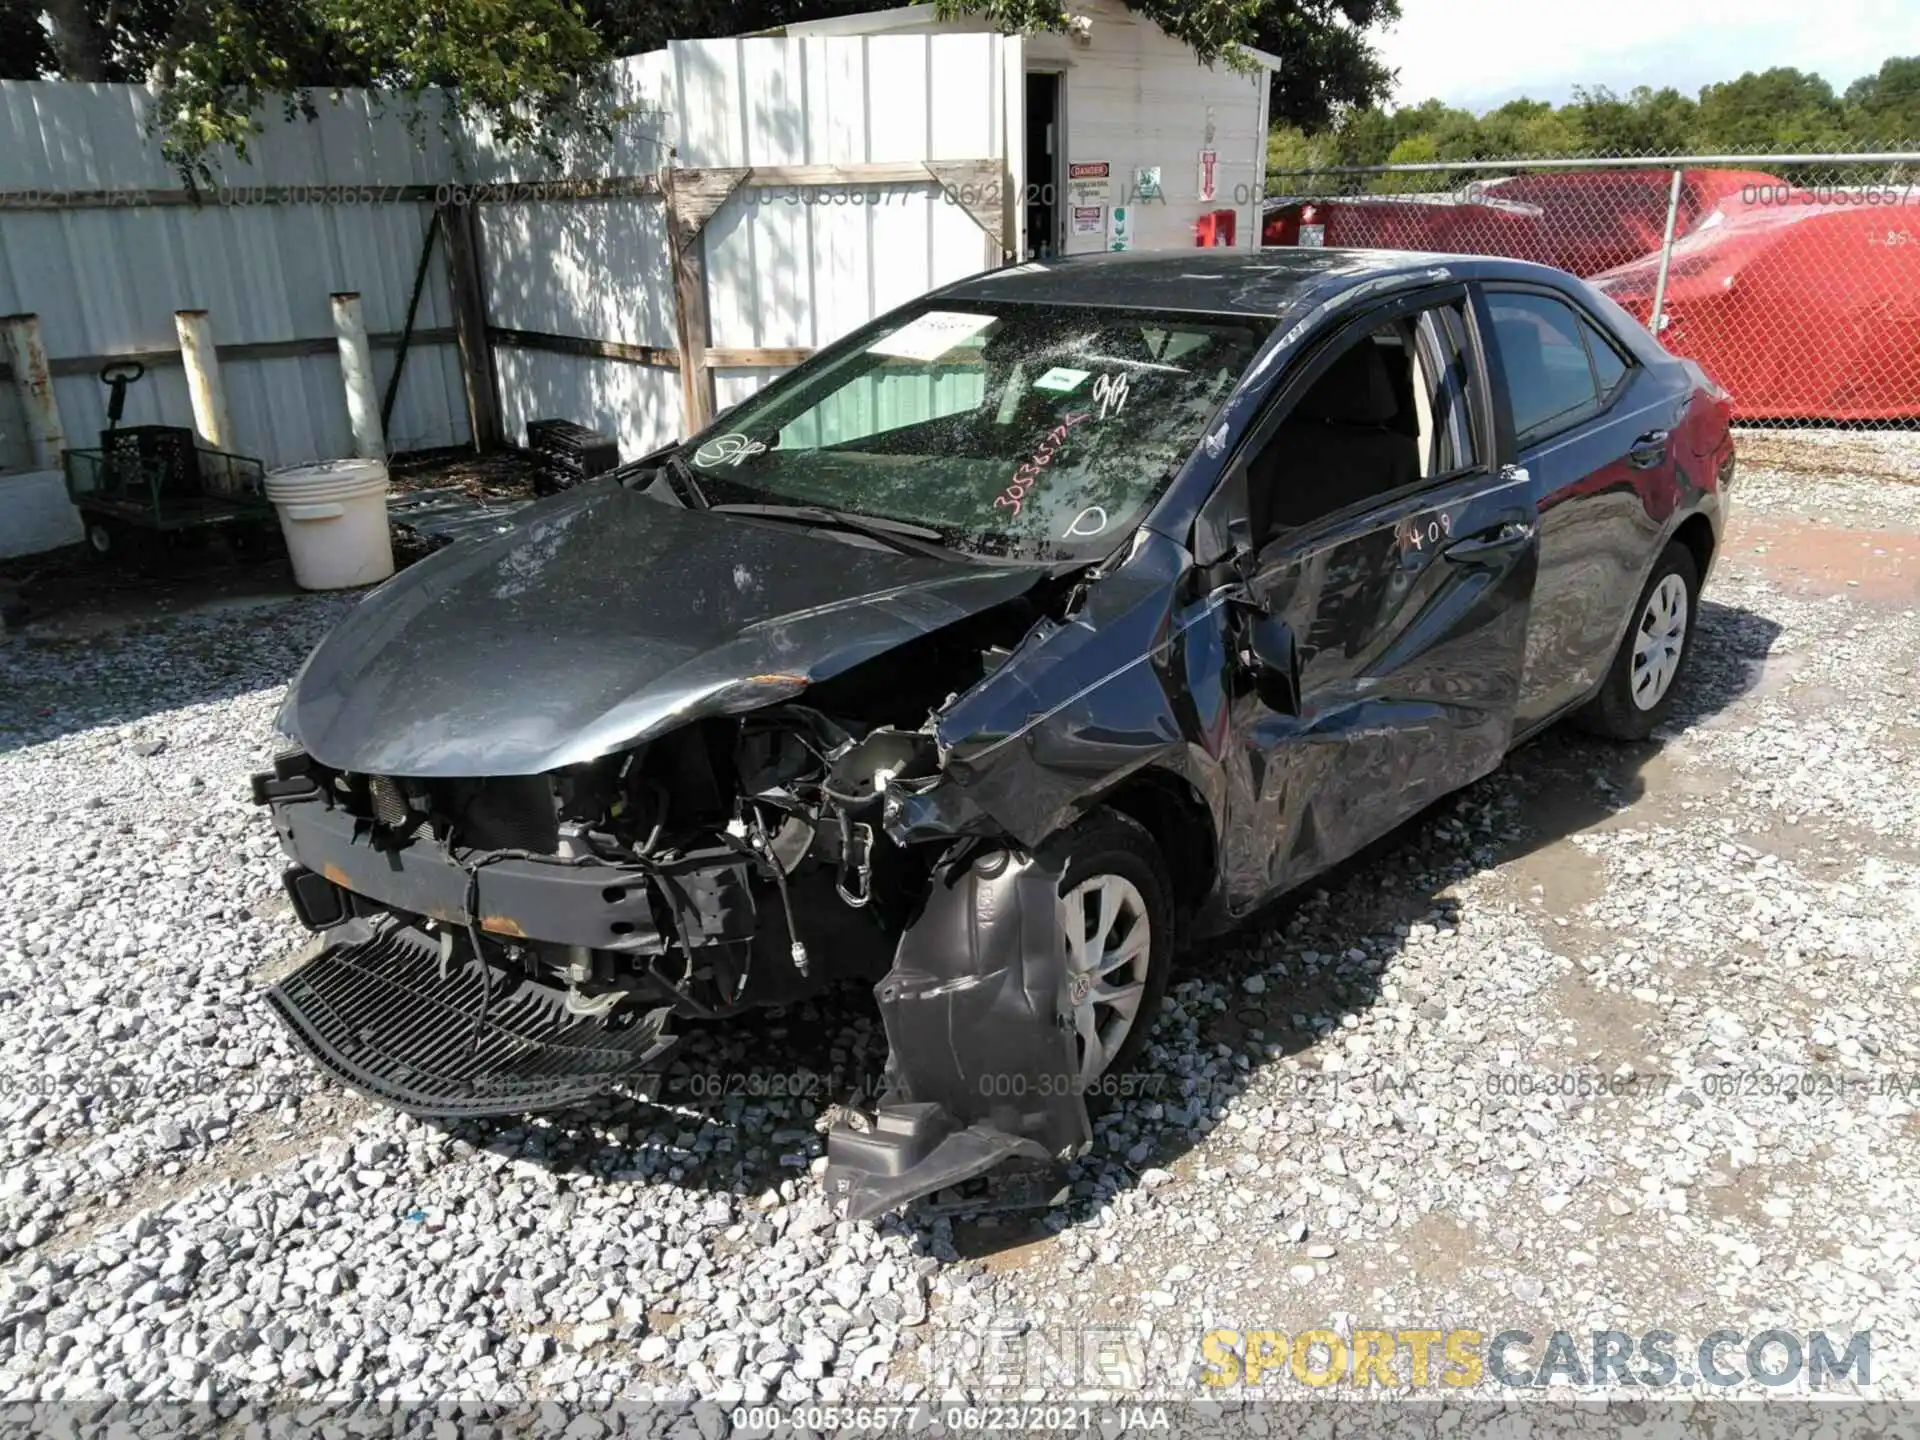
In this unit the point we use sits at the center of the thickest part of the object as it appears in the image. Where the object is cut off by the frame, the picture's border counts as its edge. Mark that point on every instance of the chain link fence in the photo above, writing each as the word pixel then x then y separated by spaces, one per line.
pixel 1794 280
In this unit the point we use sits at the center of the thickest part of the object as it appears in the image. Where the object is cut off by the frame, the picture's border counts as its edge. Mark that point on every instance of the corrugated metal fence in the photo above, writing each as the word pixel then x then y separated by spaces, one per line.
pixel 815 182
pixel 756 199
pixel 98 238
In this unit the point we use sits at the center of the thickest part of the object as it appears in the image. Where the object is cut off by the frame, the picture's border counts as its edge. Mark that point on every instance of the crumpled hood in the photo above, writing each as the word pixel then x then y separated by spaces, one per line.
pixel 602 619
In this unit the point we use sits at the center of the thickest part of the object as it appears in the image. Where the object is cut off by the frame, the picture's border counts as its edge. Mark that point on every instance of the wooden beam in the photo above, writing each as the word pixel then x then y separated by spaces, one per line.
pixel 240 197
pixel 469 285
pixel 604 187
pixel 719 356
pixel 693 196
pixel 698 195
pixel 251 350
pixel 716 357
pixel 592 349
pixel 882 172
pixel 219 197
pixel 507 192
pixel 980 188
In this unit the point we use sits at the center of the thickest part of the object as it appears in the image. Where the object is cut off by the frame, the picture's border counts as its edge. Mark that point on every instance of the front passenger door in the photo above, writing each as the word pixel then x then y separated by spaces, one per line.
pixel 1407 605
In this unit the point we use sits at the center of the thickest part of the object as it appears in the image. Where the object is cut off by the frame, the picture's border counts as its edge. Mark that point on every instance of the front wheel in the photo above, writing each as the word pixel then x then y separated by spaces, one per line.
pixel 1116 922
pixel 1641 684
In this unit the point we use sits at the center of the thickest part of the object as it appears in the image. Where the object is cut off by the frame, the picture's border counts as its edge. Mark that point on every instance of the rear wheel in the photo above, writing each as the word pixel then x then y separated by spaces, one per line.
pixel 1640 687
pixel 1116 921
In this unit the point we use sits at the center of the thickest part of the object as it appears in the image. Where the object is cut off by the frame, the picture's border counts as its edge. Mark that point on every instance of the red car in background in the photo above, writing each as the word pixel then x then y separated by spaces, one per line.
pixel 1804 303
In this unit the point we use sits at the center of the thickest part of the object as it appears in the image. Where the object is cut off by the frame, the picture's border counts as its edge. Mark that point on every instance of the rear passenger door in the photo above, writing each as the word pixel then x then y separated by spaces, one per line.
pixel 1591 426
pixel 1400 558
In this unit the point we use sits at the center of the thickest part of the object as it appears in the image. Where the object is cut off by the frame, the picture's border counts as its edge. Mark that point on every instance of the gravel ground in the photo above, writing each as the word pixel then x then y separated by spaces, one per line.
pixel 1362 1114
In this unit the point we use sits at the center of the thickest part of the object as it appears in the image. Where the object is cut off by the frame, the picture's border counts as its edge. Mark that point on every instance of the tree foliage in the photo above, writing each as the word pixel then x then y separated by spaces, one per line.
pixel 26 46
pixel 1884 109
pixel 527 68
pixel 1328 61
pixel 1780 110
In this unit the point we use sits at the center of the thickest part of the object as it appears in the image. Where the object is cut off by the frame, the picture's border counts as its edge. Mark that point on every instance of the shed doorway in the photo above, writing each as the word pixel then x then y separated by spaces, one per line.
pixel 1045 235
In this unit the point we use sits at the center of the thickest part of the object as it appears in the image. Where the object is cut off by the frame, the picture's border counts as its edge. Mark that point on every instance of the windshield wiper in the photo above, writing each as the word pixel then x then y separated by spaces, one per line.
pixel 679 470
pixel 897 535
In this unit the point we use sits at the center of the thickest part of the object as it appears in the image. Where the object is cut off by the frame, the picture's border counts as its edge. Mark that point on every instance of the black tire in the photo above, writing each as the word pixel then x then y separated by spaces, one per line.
pixel 1613 712
pixel 1109 843
pixel 105 541
pixel 122 546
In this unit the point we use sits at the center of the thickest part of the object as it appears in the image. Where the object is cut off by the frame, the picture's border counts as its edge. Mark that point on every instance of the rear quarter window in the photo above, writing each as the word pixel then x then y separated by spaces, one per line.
pixel 1608 368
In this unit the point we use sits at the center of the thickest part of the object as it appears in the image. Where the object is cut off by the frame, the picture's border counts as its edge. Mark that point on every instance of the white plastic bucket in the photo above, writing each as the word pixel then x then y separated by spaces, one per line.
pixel 334 515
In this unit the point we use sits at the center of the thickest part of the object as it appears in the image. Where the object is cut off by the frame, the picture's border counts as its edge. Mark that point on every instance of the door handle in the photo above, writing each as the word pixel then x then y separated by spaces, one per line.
pixel 1648 451
pixel 1502 539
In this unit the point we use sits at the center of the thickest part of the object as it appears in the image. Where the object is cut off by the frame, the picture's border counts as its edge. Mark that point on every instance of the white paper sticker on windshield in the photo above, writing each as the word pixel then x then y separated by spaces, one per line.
pixel 727 450
pixel 1062 379
pixel 930 336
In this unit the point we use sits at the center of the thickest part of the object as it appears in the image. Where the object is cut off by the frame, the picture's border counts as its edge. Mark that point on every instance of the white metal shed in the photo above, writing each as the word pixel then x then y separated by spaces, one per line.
pixel 1117 137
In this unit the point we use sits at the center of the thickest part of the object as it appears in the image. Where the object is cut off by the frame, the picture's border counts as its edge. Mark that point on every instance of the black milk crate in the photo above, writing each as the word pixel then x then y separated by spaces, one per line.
pixel 569 453
pixel 160 456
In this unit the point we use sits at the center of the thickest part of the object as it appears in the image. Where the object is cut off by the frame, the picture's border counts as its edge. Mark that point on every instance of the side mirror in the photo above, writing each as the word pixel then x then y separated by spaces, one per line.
pixel 1272 661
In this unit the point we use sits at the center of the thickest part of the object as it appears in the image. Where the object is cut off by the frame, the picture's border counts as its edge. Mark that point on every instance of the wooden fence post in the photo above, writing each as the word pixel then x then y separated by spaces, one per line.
pixel 462 221
pixel 693 197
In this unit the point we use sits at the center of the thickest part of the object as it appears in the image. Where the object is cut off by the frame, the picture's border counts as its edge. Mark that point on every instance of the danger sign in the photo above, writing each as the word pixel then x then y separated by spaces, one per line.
pixel 1090 182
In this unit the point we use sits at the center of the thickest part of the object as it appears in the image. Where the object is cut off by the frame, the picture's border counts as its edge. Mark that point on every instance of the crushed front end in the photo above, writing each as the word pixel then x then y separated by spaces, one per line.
pixel 779 763
pixel 516 943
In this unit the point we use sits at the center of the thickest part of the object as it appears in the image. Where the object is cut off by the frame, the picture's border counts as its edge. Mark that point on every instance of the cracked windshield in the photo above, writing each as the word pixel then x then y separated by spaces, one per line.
pixel 1029 432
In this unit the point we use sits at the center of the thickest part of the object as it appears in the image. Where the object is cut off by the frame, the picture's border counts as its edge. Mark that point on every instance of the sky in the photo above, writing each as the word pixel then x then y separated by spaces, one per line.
pixel 1481 53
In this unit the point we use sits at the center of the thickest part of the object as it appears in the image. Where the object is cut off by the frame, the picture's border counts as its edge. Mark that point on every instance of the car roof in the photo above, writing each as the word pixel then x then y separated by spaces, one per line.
pixel 1224 282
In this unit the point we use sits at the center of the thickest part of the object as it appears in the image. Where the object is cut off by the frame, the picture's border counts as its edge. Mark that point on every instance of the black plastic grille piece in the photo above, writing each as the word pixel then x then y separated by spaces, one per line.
pixel 390 806
pixel 373 1009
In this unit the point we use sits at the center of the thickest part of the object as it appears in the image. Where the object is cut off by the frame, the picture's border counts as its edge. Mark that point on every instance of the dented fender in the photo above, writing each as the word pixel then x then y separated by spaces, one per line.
pixel 1060 724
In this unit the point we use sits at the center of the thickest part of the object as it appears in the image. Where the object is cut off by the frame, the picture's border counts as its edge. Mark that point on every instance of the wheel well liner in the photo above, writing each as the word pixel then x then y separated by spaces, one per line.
pixel 1696 533
pixel 1180 824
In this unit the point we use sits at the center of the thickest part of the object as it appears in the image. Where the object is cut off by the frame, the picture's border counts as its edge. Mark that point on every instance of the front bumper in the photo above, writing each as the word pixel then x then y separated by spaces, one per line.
pixel 982 1067
pixel 410 1014
pixel 381 1008
pixel 708 895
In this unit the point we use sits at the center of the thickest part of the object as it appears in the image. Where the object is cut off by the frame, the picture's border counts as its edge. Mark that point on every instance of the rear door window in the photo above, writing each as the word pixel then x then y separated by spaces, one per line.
pixel 1550 382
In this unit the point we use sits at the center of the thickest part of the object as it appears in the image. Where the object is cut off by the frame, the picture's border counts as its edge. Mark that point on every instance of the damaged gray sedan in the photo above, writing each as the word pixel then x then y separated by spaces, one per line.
pixel 1033 630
